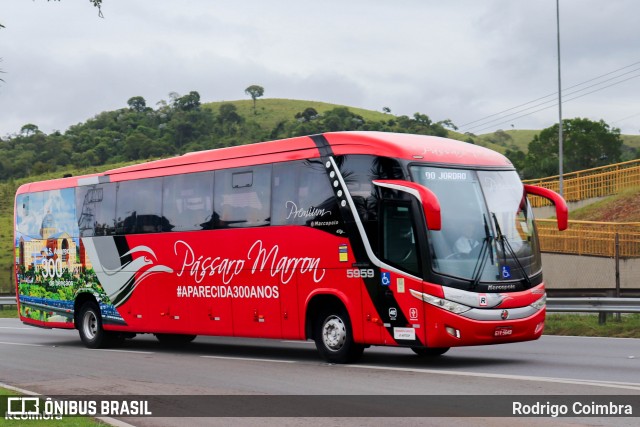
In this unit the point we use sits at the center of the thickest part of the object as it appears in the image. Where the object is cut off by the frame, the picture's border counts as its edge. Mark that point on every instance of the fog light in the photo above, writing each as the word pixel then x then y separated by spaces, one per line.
pixel 453 332
pixel 539 327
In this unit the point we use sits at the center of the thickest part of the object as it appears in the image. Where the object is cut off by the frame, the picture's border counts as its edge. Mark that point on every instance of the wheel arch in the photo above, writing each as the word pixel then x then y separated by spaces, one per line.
pixel 81 299
pixel 325 299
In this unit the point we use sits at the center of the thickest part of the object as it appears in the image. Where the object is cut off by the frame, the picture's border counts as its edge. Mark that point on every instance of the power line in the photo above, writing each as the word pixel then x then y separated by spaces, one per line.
pixel 625 118
pixel 550 95
pixel 568 93
pixel 554 105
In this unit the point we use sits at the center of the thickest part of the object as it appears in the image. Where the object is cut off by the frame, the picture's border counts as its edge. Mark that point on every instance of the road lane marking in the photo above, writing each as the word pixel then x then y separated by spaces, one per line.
pixel 22 343
pixel 298 342
pixel 594 383
pixel 249 359
pixel 119 351
pixel 17 327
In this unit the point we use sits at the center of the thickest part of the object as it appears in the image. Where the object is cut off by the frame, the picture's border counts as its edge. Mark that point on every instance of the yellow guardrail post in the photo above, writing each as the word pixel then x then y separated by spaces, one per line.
pixel 590 238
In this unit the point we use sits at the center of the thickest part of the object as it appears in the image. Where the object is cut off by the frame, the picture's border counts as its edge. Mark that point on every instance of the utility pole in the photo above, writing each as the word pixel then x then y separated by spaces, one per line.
pixel 560 140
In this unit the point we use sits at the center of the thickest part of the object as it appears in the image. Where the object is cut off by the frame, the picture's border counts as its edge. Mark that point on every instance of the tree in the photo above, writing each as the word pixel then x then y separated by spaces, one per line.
pixel 517 157
pixel 447 123
pixel 137 104
pixel 255 92
pixel 386 110
pixel 229 120
pixel 307 115
pixel 587 144
pixel 29 129
pixel 187 102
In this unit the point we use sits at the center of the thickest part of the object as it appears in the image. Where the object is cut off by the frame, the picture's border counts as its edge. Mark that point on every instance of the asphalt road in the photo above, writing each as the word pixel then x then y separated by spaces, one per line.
pixel 54 362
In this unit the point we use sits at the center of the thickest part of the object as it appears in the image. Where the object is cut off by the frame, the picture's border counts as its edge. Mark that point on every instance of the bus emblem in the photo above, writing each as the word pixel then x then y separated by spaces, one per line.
pixel 504 315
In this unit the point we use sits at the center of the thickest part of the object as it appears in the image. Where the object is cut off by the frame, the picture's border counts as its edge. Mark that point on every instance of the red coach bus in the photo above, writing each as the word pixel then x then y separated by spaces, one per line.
pixel 351 239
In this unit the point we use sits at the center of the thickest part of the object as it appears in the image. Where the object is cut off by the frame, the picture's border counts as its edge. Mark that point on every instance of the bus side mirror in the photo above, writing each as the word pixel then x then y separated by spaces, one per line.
pixel 562 213
pixel 426 197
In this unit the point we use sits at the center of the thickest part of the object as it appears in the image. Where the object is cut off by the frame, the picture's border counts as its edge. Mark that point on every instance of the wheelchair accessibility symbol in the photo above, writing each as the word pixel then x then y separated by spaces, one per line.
pixel 506 272
pixel 386 279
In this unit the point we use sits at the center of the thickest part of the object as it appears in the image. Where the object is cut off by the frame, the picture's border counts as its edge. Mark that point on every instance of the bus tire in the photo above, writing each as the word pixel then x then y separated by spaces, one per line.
pixel 334 337
pixel 90 326
pixel 430 351
pixel 173 340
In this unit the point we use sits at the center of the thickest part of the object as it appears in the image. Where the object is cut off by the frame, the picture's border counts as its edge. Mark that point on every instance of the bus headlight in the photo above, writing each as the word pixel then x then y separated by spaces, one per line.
pixel 541 303
pixel 451 306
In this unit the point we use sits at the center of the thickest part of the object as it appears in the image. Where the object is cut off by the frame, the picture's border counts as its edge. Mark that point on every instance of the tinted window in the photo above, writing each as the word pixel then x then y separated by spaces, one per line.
pixel 302 195
pixel 139 206
pixel 243 196
pixel 95 209
pixel 187 202
pixel 399 246
pixel 358 172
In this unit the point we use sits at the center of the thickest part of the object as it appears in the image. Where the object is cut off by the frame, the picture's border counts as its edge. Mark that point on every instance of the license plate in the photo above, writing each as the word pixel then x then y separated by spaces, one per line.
pixel 504 331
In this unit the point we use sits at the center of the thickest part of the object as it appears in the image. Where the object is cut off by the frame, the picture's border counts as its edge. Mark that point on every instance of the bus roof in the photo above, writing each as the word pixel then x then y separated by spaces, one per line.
pixel 419 148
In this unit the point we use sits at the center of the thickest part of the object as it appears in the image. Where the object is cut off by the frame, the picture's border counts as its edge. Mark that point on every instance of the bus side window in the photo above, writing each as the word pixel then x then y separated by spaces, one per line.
pixel 187 202
pixel 242 197
pixel 138 207
pixel 96 209
pixel 302 194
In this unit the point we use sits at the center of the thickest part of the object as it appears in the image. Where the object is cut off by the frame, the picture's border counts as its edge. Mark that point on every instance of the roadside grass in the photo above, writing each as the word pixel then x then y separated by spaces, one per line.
pixel 586 325
pixel 64 422
pixel 9 313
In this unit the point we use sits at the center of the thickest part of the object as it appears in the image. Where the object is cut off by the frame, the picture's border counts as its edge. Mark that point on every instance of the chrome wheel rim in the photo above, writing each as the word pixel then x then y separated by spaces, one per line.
pixel 90 324
pixel 334 333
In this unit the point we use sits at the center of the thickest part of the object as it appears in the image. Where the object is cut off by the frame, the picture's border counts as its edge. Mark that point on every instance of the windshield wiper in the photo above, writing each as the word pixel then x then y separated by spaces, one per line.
pixel 485 249
pixel 505 244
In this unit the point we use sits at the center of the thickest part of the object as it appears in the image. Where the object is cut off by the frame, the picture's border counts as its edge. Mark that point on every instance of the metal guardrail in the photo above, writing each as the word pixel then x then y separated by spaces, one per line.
pixel 7 301
pixel 589 183
pixel 590 238
pixel 593 305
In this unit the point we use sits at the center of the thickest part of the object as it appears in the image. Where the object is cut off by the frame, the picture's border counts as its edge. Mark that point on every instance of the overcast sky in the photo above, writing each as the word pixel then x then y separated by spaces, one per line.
pixel 462 60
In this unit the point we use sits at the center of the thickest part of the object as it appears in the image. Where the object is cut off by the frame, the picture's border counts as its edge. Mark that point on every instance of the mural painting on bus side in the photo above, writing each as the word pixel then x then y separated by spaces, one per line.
pixel 51 263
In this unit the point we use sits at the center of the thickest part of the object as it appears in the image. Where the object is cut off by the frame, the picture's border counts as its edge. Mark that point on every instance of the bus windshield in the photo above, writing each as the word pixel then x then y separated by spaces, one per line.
pixel 488 232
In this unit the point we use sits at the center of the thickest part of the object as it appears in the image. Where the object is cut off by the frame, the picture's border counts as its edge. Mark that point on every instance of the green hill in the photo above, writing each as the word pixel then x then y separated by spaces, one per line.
pixel 271 111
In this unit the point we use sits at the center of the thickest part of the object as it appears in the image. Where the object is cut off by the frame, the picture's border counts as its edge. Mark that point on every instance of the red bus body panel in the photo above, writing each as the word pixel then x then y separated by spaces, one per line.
pixel 260 281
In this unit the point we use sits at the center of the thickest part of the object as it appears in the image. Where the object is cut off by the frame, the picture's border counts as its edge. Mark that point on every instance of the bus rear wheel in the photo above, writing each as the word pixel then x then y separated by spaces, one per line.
pixel 90 326
pixel 175 339
pixel 334 338
pixel 430 351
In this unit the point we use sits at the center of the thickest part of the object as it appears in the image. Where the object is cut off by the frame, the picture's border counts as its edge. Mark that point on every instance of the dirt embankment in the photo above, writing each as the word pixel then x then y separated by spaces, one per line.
pixel 624 207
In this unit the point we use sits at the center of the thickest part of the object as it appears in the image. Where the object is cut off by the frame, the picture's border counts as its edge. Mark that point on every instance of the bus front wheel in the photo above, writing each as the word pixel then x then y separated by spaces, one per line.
pixel 90 326
pixel 334 338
